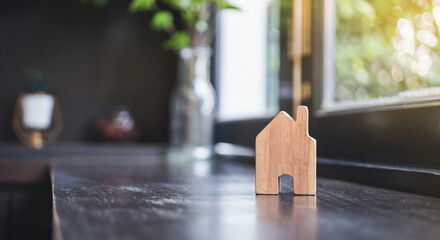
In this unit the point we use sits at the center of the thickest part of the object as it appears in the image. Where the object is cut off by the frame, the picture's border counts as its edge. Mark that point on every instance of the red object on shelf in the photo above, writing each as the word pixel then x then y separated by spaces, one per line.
pixel 120 127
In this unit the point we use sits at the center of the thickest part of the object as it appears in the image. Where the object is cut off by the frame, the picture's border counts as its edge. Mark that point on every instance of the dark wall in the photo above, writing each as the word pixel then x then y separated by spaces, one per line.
pixel 95 59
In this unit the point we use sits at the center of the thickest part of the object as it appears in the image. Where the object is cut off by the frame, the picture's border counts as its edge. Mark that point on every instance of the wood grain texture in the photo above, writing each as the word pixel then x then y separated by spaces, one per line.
pixel 144 197
pixel 284 147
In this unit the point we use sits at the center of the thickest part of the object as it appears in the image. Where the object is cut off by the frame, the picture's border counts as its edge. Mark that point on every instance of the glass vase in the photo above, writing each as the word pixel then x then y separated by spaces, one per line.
pixel 193 106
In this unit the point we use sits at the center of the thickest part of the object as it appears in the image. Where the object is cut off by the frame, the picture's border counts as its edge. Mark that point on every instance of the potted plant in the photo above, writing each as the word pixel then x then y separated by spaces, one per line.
pixel 37 118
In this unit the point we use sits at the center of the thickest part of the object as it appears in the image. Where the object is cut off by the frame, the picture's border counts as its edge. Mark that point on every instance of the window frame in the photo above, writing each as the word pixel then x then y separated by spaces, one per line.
pixel 323 103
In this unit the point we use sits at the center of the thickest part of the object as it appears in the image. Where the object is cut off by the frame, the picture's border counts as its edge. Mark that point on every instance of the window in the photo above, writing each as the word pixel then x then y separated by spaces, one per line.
pixel 381 53
pixel 376 106
pixel 248 45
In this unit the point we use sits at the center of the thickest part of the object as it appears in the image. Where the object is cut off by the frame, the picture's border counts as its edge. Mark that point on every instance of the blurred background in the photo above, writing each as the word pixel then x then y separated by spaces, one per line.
pixel 115 71
pixel 96 57
pixel 93 59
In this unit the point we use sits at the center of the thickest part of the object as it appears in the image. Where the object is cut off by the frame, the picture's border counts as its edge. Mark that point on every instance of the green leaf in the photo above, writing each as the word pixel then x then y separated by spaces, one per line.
pixel 178 4
pixel 189 16
pixel 233 7
pixel 224 4
pixel 202 26
pixel 162 20
pixel 140 5
pixel 177 41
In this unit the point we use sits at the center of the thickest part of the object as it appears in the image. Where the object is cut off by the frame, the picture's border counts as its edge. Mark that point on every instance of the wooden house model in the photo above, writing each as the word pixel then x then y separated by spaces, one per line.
pixel 284 147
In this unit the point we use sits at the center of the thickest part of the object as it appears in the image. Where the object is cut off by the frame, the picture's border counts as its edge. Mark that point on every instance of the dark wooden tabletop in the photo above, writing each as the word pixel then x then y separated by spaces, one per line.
pixel 149 196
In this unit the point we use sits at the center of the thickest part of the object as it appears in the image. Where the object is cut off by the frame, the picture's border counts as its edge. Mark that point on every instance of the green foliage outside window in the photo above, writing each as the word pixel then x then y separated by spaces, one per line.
pixel 385 47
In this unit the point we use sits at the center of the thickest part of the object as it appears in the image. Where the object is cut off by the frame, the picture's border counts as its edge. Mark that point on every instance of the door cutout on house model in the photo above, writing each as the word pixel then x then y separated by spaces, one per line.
pixel 285 182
